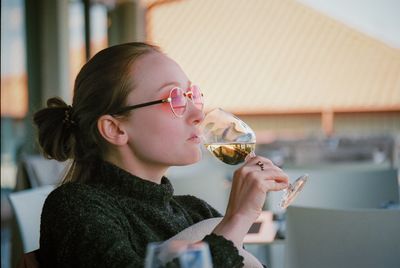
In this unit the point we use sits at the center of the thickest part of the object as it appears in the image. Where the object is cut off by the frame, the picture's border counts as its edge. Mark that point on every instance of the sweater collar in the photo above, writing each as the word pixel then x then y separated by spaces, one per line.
pixel 124 183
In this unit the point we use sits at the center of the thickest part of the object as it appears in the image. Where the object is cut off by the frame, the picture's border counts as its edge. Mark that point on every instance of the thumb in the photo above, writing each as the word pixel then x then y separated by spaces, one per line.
pixel 251 155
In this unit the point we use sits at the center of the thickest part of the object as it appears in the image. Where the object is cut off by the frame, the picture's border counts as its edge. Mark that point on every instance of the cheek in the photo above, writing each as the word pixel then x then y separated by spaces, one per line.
pixel 169 134
pixel 164 141
pixel 156 142
pixel 162 133
pixel 165 108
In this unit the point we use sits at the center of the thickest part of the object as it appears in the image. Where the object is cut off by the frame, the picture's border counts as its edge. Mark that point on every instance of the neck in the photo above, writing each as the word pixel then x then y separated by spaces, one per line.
pixel 143 169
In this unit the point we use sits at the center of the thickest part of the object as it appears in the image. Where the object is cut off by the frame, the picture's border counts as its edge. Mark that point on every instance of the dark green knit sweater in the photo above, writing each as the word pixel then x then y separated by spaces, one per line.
pixel 109 222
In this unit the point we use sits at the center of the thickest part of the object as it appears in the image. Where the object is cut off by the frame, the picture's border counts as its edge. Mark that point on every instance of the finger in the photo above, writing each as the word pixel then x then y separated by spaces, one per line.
pixel 273 175
pixel 245 170
pixel 278 176
pixel 267 171
pixel 279 179
pixel 272 185
pixel 256 159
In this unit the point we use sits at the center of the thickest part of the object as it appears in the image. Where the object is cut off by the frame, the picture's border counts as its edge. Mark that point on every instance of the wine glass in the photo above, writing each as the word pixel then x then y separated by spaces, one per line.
pixel 231 140
pixel 178 253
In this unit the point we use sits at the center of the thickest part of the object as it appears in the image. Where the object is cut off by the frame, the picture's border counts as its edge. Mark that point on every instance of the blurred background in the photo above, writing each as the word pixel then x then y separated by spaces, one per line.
pixel 318 81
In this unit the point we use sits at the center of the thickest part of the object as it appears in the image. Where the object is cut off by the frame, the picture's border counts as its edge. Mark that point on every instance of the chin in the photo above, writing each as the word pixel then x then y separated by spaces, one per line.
pixel 191 159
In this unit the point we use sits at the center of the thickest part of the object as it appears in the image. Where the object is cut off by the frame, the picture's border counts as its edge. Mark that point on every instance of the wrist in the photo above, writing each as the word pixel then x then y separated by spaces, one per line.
pixel 234 228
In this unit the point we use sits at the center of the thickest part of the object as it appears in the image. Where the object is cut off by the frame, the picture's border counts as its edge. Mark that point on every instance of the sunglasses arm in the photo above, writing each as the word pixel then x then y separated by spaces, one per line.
pixel 133 107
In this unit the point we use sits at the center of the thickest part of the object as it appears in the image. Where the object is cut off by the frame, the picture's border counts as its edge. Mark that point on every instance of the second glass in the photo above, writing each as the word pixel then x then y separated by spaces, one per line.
pixel 231 140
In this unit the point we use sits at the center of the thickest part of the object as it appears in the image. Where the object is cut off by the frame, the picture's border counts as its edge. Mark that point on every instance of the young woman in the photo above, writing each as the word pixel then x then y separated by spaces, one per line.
pixel 134 114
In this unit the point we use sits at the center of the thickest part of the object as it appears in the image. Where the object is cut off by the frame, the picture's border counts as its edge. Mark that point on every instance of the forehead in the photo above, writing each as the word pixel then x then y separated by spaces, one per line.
pixel 156 69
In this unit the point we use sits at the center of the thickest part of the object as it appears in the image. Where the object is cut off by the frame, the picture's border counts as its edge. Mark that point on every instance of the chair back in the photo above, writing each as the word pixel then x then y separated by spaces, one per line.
pixel 325 238
pixel 35 171
pixel 27 207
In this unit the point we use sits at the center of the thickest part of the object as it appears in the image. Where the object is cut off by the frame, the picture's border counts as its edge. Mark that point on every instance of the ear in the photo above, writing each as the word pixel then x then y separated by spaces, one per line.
pixel 112 130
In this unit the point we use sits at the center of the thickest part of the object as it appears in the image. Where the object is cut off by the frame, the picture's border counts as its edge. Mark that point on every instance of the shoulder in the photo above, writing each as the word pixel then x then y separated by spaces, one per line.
pixel 76 208
pixel 77 199
pixel 73 191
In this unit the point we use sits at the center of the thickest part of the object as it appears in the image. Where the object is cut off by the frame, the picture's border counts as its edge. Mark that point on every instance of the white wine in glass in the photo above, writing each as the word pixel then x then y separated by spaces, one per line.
pixel 231 140
pixel 231 153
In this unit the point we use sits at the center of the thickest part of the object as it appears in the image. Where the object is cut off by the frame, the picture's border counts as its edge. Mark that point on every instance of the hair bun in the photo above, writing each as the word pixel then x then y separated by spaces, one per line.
pixel 56 121
pixel 56 103
pixel 68 120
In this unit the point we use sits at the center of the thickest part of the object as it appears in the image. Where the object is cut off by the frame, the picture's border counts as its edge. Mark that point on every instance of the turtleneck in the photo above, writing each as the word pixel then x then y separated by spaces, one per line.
pixel 109 221
pixel 121 182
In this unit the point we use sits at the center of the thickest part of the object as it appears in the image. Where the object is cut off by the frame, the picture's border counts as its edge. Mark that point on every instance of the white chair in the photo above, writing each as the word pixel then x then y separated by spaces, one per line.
pixel 325 238
pixel 27 207
pixel 335 188
pixel 35 171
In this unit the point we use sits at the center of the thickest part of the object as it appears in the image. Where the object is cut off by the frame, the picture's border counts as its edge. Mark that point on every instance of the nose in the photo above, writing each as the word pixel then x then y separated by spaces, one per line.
pixel 188 95
pixel 195 115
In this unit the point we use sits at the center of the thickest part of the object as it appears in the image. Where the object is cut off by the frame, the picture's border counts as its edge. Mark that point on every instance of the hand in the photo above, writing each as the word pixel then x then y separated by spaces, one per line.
pixel 250 184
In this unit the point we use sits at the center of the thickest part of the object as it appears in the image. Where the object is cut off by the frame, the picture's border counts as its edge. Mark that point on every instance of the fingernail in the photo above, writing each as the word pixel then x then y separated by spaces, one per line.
pixel 250 156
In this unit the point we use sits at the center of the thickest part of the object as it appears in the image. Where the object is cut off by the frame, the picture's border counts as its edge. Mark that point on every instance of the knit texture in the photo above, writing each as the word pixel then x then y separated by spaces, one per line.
pixel 109 221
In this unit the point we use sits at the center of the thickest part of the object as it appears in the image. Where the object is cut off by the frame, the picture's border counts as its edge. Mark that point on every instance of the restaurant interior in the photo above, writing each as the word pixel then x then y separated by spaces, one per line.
pixel 318 83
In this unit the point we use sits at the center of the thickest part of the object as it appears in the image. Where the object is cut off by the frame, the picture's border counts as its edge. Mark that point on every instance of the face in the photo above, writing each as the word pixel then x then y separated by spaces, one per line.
pixel 156 135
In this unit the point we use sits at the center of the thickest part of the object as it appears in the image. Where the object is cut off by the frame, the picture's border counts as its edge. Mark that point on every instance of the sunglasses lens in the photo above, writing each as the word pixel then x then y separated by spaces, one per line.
pixel 178 101
pixel 197 97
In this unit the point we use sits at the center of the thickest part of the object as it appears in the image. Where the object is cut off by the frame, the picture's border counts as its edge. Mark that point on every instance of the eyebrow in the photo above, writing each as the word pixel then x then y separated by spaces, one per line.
pixel 173 84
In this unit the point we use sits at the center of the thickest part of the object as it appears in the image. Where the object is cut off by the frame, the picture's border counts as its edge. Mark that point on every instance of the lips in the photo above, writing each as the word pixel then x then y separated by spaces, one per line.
pixel 194 138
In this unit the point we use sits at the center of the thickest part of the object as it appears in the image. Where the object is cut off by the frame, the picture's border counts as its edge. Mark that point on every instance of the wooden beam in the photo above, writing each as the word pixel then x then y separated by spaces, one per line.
pixel 327 122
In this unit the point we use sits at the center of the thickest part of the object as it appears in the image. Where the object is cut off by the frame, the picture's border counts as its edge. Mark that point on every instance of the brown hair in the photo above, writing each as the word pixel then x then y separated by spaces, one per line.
pixel 101 87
